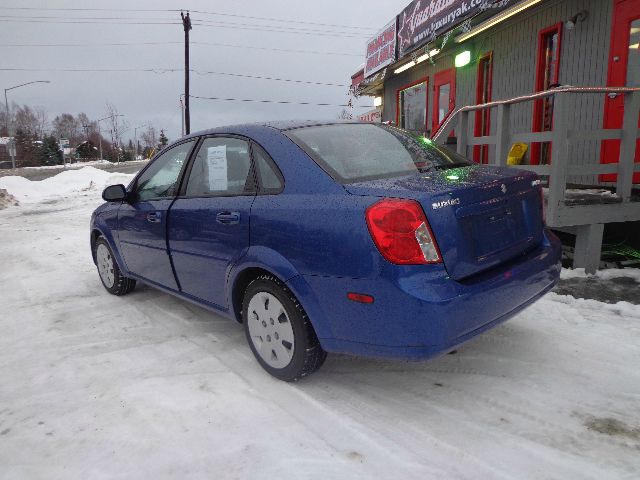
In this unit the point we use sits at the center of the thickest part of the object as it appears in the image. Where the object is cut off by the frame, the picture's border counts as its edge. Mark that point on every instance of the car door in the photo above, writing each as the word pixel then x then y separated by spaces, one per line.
pixel 142 222
pixel 209 221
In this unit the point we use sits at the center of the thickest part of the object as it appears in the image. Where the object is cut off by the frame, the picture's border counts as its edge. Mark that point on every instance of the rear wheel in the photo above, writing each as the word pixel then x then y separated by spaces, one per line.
pixel 110 275
pixel 279 331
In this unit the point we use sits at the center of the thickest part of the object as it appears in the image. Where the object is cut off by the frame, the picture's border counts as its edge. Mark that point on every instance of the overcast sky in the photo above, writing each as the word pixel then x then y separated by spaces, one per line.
pixel 154 97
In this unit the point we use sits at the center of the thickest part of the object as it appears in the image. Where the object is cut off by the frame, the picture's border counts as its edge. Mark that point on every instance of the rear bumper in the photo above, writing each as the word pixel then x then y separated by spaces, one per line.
pixel 421 314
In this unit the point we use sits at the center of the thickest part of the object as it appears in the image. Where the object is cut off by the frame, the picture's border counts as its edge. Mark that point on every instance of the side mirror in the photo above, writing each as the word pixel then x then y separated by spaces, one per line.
pixel 114 193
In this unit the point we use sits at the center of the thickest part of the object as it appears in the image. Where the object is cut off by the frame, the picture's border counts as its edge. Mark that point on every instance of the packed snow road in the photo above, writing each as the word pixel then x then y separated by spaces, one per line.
pixel 148 386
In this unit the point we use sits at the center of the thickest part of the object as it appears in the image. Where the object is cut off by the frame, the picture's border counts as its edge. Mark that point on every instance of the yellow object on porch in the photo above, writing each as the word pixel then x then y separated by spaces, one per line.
pixel 516 153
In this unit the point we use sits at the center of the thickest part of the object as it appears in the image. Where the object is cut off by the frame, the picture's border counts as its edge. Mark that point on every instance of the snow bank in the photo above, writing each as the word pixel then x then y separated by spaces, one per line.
pixel 633 273
pixel 60 185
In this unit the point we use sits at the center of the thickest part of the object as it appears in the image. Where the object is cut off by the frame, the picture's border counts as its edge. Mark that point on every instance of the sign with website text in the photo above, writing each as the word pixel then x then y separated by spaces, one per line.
pixel 372 116
pixel 381 49
pixel 423 20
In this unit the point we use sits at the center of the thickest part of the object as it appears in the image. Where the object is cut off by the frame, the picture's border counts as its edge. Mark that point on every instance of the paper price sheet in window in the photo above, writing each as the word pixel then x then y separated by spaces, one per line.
pixel 217 167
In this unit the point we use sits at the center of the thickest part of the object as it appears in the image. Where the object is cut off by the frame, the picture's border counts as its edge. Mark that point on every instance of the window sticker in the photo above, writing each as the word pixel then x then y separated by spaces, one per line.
pixel 217 166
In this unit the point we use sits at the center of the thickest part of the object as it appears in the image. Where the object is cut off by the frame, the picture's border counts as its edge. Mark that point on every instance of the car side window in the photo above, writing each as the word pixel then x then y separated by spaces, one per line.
pixel 160 179
pixel 221 167
pixel 269 177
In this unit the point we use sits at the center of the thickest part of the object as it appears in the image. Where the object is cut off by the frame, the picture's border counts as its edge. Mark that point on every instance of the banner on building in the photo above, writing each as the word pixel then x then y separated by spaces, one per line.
pixel 381 49
pixel 372 116
pixel 424 20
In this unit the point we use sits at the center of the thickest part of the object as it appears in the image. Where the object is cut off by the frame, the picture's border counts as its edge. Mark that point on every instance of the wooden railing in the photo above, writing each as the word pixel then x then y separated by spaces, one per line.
pixel 558 212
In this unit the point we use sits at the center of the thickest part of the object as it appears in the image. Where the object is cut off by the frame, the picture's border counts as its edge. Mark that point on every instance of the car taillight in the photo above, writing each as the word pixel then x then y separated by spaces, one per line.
pixel 400 230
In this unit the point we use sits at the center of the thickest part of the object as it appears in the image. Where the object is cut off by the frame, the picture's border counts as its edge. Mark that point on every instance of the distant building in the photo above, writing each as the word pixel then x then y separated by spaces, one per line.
pixel 5 158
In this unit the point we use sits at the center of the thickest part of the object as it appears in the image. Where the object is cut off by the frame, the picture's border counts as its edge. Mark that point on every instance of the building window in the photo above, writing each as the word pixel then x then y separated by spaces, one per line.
pixel 482 125
pixel 547 76
pixel 412 107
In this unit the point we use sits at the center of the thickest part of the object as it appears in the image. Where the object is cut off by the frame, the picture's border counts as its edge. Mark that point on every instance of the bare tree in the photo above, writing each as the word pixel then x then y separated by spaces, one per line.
pixel 43 121
pixel 67 126
pixel 89 127
pixel 150 137
pixel 26 120
pixel 117 126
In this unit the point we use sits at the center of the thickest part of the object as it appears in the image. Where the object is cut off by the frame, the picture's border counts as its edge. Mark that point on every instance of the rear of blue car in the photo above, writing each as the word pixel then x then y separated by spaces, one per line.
pixel 434 256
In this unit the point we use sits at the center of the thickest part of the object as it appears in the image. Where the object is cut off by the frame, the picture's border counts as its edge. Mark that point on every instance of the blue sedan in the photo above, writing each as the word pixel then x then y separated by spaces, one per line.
pixel 351 238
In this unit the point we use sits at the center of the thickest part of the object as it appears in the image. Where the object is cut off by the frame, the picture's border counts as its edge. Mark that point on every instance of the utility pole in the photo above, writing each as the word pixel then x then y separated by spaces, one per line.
pixel 186 24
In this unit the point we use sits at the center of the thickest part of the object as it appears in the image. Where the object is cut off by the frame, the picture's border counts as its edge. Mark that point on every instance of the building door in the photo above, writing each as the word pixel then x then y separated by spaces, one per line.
pixel 482 124
pixel 547 76
pixel 624 70
pixel 444 97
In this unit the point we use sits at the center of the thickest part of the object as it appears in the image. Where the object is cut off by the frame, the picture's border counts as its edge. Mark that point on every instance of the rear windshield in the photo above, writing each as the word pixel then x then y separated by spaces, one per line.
pixel 356 152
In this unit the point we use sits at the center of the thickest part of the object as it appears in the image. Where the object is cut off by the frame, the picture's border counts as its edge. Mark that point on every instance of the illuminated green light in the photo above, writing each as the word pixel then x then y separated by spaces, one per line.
pixel 426 140
pixel 463 58
pixel 453 177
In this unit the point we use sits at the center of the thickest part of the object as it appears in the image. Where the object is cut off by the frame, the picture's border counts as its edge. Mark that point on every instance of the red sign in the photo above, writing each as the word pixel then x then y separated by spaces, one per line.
pixel 372 116
pixel 381 49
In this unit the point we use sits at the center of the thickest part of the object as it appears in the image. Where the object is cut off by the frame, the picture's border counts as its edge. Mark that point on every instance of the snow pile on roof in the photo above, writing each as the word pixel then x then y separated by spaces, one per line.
pixel 61 185
pixel 6 199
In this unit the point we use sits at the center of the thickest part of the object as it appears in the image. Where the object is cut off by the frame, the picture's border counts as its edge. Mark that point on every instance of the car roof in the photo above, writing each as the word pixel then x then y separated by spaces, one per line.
pixel 281 125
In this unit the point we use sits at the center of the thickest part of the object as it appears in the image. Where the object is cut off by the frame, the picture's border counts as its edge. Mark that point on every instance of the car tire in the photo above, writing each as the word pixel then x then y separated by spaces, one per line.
pixel 279 331
pixel 110 275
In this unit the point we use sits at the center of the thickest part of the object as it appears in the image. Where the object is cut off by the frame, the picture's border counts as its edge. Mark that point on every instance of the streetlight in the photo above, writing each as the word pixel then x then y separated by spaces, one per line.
pixel 135 137
pixel 100 133
pixel 8 123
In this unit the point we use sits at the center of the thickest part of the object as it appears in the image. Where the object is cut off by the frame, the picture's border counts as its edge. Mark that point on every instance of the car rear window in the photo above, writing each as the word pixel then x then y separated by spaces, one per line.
pixel 356 152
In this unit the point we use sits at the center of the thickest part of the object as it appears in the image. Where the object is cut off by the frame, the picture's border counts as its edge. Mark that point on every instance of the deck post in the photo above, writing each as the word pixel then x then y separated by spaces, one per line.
pixel 628 146
pixel 559 158
pixel 588 247
pixel 503 138
pixel 463 133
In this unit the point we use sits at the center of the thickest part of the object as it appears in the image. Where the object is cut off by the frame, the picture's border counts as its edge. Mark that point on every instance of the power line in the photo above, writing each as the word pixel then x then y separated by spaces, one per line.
pixel 263 28
pixel 253 47
pixel 172 70
pixel 282 102
pixel 315 52
pixel 258 77
pixel 162 19
pixel 86 44
pixel 203 23
pixel 203 12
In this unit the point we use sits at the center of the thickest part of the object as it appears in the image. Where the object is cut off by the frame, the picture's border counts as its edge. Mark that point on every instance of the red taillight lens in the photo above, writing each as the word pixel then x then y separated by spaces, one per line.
pixel 401 232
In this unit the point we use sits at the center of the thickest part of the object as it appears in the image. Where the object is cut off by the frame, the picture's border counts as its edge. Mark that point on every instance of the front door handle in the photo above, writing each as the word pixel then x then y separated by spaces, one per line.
pixel 154 217
pixel 228 218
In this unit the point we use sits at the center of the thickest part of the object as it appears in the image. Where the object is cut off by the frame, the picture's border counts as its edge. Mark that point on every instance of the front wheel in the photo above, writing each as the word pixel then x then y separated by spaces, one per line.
pixel 279 331
pixel 110 275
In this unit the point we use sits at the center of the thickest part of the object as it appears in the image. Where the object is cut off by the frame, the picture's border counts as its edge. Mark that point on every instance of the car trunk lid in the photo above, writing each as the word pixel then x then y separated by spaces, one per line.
pixel 481 216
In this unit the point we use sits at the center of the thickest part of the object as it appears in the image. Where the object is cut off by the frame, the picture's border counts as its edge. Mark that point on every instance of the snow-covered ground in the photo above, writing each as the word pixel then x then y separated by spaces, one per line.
pixel 149 386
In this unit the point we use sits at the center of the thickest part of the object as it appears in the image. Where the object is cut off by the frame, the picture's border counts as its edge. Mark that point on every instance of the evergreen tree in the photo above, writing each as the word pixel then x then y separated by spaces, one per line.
pixel 163 140
pixel 26 149
pixel 49 152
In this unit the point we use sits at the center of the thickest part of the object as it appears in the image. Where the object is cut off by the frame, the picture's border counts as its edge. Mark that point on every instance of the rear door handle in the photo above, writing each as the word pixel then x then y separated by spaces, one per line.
pixel 154 217
pixel 228 218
